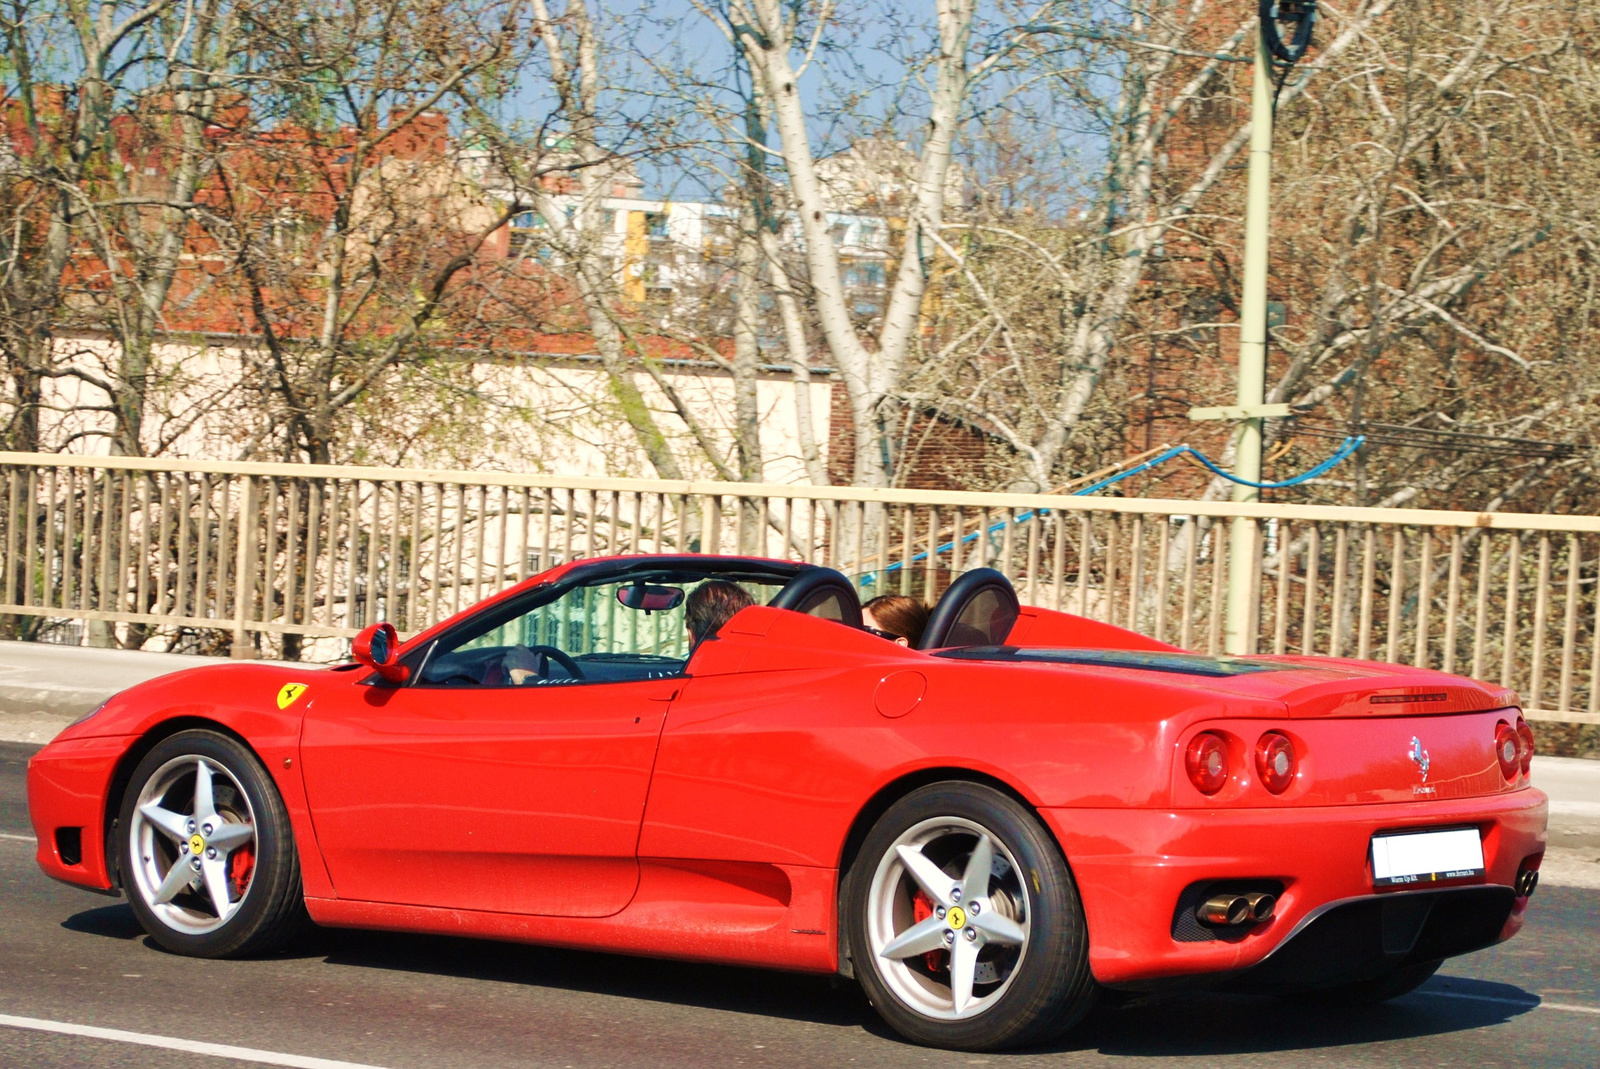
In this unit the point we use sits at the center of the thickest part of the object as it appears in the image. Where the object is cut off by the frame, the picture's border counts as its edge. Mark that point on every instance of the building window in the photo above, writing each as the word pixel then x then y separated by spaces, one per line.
pixel 526 228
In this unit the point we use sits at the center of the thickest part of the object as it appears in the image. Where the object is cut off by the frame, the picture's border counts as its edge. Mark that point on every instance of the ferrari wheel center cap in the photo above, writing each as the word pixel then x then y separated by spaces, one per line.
pixel 197 844
pixel 956 918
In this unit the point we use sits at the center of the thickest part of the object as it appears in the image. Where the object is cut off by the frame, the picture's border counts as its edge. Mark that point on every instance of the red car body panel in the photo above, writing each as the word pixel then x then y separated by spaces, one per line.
pixel 620 813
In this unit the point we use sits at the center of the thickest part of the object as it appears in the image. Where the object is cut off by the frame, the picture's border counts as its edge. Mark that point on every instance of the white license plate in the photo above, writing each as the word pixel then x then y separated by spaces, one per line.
pixel 1426 857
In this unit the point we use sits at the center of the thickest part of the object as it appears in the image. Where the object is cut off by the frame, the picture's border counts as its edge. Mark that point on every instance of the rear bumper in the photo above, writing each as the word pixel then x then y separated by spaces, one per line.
pixel 68 782
pixel 1132 866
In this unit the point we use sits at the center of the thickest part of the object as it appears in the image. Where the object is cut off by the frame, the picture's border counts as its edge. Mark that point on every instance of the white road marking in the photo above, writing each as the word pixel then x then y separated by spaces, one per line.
pixel 1574 809
pixel 17 838
pixel 1565 1007
pixel 189 1046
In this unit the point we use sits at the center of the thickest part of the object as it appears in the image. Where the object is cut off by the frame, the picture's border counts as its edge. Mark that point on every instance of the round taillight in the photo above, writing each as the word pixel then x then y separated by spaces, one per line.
pixel 1507 749
pixel 1275 762
pixel 1525 733
pixel 1207 761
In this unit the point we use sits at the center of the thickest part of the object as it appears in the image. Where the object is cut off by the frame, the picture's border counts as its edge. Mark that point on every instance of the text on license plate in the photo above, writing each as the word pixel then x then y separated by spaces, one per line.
pixel 1426 856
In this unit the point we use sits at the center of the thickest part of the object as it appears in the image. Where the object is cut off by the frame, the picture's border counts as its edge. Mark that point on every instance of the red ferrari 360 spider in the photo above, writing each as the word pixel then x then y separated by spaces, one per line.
pixel 984 831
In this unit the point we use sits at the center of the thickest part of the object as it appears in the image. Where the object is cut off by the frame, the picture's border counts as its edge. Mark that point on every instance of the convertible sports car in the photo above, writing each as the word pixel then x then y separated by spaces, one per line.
pixel 985 831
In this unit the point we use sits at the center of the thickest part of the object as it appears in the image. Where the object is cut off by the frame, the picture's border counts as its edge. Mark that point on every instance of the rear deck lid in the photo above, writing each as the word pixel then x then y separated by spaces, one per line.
pixel 1308 687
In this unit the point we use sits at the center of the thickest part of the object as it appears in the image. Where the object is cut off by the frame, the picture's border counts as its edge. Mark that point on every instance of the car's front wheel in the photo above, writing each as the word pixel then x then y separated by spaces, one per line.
pixel 964 924
pixel 206 851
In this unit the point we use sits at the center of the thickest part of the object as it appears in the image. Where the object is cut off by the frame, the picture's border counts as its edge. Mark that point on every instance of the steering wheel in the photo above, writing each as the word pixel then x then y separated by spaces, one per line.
pixel 558 656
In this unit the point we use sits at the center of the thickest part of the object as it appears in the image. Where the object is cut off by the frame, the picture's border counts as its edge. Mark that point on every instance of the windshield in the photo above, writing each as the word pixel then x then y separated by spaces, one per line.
pixel 585 634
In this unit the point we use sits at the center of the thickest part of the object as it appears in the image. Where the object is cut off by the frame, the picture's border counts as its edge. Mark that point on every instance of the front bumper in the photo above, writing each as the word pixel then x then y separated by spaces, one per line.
pixel 68 782
pixel 1133 865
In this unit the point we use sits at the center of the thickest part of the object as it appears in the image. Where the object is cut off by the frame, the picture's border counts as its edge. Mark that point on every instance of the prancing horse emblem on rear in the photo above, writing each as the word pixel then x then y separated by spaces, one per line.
pixel 1420 756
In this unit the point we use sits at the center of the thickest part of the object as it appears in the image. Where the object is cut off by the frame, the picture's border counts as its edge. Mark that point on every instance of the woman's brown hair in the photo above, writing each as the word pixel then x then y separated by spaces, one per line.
pixel 899 615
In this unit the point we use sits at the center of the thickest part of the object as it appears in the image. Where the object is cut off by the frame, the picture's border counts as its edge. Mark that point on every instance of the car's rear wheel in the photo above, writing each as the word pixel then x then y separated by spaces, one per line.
pixel 964 924
pixel 206 851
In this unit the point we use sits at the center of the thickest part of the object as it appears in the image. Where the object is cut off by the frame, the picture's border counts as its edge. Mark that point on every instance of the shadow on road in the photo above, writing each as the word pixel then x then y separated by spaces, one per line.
pixel 1212 1024
pixel 792 996
pixel 113 922
pixel 1197 1024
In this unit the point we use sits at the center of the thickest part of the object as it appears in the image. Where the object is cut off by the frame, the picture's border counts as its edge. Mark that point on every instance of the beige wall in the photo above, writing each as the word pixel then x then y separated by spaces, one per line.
pixel 555 417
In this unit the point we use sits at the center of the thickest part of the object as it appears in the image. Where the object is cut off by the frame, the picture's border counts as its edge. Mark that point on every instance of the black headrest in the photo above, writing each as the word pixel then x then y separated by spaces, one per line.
pixel 979 609
pixel 821 592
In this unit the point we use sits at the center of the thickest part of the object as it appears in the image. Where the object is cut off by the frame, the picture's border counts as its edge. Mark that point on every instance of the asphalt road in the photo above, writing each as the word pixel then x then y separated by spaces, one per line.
pixel 412 1002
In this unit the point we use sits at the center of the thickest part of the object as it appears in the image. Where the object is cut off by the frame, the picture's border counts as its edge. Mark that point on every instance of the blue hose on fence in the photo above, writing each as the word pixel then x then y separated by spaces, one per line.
pixel 1349 446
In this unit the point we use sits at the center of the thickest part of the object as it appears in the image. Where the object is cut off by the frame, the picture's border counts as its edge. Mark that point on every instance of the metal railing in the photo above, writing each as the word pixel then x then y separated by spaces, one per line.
pixel 304 556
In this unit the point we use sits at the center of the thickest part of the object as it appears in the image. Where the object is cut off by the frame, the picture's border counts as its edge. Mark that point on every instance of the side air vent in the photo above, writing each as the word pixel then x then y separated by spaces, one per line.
pixel 69 845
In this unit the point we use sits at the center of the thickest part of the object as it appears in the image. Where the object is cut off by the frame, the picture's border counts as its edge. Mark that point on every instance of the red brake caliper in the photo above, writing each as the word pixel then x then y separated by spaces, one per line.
pixel 241 863
pixel 921 910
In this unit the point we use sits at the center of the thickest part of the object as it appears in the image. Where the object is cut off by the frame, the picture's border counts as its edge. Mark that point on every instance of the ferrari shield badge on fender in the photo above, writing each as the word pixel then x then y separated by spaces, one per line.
pixel 289 694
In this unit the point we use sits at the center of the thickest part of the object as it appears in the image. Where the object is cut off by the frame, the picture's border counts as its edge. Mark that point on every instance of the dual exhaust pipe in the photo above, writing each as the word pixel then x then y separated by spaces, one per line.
pixel 1232 910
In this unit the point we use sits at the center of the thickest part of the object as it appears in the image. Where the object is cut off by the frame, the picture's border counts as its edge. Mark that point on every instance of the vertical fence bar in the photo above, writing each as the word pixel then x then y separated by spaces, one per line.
pixel 1480 630
pixel 1541 620
pixel 592 527
pixel 107 500
pixel 122 547
pixel 1060 561
pixel 1191 554
pixel 1280 617
pixel 1508 650
pixel 1218 578
pixel 503 529
pixel 353 547
pixel 527 521
pixel 226 544
pixel 1135 571
pixel 458 543
pixel 1341 566
pixel 393 574
pixel 243 586
pixel 413 620
pixel 1594 651
pixel 1397 586
pixel 1452 601
pixel 1163 568
pixel 1569 625
pixel 958 539
pixel 480 533
pixel 292 555
pixel 69 534
pixel 1424 597
pixel 269 555
pixel 1108 602
pixel 437 580
pixel 33 546
pixel 907 545
pixel 1308 627
pixel 1369 553
pixel 202 537
pixel 314 493
pixel 140 581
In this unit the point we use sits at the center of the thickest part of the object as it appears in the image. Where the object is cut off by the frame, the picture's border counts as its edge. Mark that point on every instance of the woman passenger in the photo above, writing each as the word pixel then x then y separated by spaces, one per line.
pixel 896 617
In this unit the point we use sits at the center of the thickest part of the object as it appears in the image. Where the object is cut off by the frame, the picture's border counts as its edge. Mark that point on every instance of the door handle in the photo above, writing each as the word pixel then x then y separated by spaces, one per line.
pixel 667 697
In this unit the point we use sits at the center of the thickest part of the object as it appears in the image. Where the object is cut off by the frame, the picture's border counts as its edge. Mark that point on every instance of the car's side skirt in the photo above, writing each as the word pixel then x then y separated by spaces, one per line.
pixel 780 916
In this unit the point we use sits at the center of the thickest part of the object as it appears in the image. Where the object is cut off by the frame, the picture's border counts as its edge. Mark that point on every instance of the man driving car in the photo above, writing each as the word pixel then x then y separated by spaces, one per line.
pixel 712 605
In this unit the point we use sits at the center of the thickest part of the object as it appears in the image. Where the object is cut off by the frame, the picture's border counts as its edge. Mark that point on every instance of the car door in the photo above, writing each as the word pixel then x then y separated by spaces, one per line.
pixel 523 799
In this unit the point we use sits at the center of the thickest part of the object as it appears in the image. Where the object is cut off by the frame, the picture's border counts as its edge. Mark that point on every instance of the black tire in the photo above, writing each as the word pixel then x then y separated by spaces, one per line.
pixel 269 910
pixel 1401 981
pixel 1048 987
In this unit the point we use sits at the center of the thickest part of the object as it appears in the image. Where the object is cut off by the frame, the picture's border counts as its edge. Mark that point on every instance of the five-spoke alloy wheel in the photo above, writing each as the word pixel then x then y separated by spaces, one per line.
pixel 964 924
pixel 206 852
